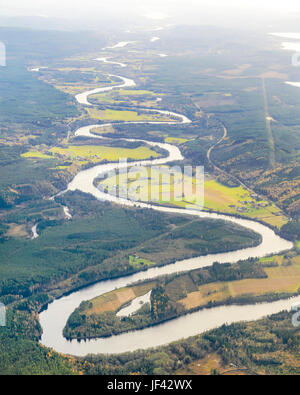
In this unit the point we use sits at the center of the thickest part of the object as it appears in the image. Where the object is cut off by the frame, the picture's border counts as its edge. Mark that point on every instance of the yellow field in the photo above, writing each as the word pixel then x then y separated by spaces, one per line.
pixel 205 366
pixel 74 89
pixel 176 140
pixel 98 153
pixel 16 231
pixel 217 197
pixel 26 138
pixel 103 130
pixel 112 301
pixel 280 279
pixel 118 96
pixel 36 155
pixel 124 92
pixel 126 116
pixel 272 259
pixel 104 98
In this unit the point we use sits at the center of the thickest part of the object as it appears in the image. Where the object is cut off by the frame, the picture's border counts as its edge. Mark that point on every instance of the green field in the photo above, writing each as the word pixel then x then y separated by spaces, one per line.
pixel 176 140
pixel 139 263
pixel 126 116
pixel 36 155
pixel 104 98
pixel 124 92
pixel 99 153
pixel 217 197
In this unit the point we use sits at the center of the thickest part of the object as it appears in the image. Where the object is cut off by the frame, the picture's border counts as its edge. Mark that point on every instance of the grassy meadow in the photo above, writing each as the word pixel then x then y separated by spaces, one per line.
pixel 100 153
pixel 217 197
pixel 125 116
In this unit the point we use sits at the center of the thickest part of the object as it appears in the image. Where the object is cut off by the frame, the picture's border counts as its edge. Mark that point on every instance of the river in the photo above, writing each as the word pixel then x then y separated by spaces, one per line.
pixel 105 60
pixel 121 44
pixel 55 317
pixel 35 234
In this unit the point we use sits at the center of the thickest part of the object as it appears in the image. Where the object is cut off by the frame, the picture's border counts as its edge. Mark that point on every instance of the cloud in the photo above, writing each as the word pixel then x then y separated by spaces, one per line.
pixel 156 15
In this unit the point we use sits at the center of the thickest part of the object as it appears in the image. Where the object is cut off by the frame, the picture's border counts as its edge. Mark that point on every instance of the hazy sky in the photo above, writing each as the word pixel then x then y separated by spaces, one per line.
pixel 98 13
pixel 155 8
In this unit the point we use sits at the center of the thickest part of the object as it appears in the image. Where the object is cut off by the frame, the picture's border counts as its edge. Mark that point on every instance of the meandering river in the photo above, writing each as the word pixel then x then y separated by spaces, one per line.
pixel 55 317
pixel 105 60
